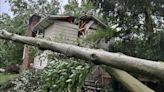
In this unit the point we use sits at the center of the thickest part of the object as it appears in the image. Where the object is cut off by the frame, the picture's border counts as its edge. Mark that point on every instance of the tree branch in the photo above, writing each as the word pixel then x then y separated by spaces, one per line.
pixel 116 60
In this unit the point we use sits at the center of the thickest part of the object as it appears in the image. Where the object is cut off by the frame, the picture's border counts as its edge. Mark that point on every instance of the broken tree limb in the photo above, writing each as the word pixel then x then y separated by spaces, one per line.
pixel 128 81
pixel 68 50
pixel 117 60
pixel 2 70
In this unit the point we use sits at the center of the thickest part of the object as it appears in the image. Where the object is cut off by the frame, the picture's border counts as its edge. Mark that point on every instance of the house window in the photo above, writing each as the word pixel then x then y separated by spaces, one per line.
pixel 40 34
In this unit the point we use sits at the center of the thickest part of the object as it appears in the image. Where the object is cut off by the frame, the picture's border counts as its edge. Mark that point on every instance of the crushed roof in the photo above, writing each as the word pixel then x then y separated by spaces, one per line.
pixel 98 21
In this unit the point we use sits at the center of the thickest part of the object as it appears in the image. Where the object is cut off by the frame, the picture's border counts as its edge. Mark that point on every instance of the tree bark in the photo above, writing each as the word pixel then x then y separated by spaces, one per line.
pixel 2 70
pixel 128 81
pixel 116 60
pixel 148 19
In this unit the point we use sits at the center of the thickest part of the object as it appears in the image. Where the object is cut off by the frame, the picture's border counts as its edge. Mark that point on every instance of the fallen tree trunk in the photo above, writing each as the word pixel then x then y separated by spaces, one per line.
pixel 117 60
pixel 91 55
pixel 11 69
pixel 2 70
pixel 128 81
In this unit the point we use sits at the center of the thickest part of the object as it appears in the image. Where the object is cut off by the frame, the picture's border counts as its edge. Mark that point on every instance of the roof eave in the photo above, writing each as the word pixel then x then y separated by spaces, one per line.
pixel 47 21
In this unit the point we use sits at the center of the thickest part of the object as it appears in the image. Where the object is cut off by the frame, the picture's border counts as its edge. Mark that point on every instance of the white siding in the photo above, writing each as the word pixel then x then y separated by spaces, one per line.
pixel 41 60
pixel 62 31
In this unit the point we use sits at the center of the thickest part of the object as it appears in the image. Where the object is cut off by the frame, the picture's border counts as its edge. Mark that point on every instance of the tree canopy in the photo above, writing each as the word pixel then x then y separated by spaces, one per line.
pixel 22 10
pixel 131 15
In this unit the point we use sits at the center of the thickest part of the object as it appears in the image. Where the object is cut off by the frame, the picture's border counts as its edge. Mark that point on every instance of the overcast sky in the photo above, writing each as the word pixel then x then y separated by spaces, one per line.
pixel 5 8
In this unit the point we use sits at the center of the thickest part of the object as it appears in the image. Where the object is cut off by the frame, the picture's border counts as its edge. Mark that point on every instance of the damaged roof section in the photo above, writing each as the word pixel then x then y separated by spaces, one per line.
pixel 97 21
pixel 49 20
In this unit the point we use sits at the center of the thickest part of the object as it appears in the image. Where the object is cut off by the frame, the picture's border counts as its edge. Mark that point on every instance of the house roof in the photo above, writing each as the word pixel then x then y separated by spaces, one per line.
pixel 95 19
pixel 49 20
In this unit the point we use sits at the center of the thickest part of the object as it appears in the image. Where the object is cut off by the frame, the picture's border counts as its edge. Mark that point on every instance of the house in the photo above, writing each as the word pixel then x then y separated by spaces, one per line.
pixel 57 28
pixel 61 29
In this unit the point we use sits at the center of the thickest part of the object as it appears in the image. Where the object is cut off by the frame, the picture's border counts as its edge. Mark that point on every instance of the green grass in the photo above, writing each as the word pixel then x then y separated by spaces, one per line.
pixel 4 77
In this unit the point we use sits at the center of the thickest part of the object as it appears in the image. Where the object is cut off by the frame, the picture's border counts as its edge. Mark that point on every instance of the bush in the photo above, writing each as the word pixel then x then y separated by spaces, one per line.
pixel 29 81
pixel 150 46
pixel 60 75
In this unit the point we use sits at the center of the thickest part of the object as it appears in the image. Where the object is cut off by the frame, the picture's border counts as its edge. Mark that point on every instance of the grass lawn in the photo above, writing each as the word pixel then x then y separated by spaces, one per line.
pixel 4 77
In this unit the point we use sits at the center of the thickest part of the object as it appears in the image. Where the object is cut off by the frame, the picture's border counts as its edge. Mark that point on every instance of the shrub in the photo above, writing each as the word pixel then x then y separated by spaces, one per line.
pixel 60 75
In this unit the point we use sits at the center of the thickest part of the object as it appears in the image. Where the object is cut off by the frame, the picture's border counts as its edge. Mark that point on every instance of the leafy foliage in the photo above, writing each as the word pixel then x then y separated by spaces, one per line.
pixel 11 52
pixel 63 75
pixel 73 8
pixel 133 18
pixel 149 46
pixel 145 45
pixel 28 7
pixel 29 81
pixel 102 33
pixel 60 75
pixel 130 14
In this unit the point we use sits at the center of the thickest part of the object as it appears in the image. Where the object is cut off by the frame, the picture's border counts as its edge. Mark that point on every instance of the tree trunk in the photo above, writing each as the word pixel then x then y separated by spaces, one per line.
pixel 2 70
pixel 116 60
pixel 148 19
pixel 128 81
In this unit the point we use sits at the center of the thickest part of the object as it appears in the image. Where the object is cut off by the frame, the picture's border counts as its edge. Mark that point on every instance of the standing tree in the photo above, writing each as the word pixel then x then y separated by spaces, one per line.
pixel 10 51
pixel 22 10
pixel 73 8
pixel 130 14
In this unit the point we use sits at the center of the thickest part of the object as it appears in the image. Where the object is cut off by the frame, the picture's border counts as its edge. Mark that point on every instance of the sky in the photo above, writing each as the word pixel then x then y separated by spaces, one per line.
pixel 5 7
